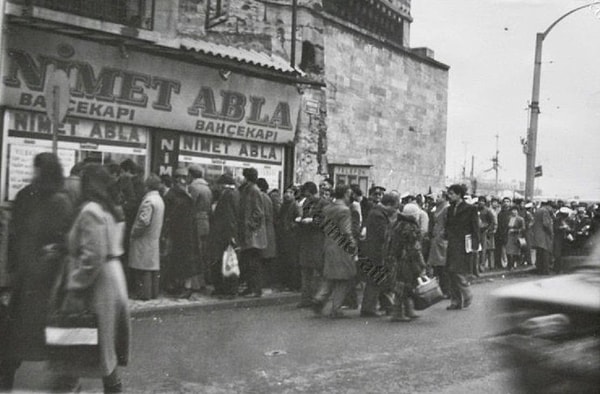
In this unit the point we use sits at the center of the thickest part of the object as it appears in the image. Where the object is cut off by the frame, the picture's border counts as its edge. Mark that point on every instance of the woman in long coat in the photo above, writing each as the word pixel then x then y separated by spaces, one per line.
pixel 41 218
pixel 542 237
pixel 144 254
pixel 96 279
pixel 404 261
pixel 339 250
pixel 223 230
pixel 438 244
pixel 180 232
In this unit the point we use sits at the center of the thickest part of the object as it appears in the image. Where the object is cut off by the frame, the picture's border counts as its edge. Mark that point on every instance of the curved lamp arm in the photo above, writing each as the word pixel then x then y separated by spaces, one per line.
pixel 565 15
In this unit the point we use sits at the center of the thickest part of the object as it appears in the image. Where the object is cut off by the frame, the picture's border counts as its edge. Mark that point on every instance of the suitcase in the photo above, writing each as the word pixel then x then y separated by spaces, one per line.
pixel 427 293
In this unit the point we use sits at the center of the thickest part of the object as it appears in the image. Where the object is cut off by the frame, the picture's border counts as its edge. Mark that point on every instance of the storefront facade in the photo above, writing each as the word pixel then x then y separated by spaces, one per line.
pixel 161 113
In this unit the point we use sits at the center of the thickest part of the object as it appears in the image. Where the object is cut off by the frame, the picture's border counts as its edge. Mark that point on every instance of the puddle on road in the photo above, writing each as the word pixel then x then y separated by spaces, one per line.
pixel 273 353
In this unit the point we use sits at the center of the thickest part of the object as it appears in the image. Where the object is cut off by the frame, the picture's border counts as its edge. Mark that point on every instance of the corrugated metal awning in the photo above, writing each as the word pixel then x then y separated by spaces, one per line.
pixel 246 56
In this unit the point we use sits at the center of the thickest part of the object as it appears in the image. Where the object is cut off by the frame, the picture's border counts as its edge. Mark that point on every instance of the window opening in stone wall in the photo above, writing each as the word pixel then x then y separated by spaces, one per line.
pixel 216 12
pixel 307 62
pixel 134 13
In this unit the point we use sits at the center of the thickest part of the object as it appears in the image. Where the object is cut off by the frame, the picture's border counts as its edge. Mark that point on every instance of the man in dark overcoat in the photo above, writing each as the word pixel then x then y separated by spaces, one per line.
pixel 378 221
pixel 252 232
pixel 501 236
pixel 462 232
pixel 41 217
pixel 180 231
pixel 310 243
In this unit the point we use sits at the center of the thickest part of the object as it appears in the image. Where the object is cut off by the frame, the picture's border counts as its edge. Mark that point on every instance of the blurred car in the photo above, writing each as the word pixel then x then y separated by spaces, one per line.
pixel 548 330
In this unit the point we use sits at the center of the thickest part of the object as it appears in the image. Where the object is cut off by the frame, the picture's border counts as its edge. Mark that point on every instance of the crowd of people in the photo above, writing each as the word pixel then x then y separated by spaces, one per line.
pixel 117 235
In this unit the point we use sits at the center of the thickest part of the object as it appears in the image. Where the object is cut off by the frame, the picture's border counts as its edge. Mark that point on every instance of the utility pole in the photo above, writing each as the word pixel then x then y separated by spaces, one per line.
pixel 473 180
pixel 294 22
pixel 496 162
pixel 534 106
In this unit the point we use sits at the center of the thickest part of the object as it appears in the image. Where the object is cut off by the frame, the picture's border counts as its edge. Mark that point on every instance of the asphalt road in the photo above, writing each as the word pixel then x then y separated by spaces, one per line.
pixel 226 352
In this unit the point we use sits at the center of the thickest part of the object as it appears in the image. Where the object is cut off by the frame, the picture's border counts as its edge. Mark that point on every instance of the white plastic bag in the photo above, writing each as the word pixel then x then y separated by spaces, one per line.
pixel 230 265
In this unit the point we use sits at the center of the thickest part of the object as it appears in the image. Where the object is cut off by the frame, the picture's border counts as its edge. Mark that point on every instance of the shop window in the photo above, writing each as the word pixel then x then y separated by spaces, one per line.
pixel 27 133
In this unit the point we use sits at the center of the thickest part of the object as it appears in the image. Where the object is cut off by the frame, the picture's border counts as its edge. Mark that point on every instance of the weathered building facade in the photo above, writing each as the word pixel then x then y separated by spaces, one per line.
pixel 381 116
pixel 225 84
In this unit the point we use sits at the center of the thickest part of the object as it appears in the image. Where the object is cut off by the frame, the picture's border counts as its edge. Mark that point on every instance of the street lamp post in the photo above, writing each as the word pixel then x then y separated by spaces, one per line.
pixel 535 103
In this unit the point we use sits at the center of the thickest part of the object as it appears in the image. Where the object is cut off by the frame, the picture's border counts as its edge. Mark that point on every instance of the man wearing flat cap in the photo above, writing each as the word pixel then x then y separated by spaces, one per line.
pixel 179 231
pixel 375 195
pixel 252 232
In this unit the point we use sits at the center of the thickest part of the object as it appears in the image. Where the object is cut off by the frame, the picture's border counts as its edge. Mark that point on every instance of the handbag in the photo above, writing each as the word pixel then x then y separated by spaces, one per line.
pixel 427 293
pixel 230 266
pixel 522 242
pixel 71 337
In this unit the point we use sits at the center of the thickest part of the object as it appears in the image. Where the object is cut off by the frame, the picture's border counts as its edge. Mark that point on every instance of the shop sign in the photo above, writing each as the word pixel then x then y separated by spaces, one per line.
pixel 350 170
pixel 165 152
pixel 147 90
pixel 88 131
pixel 232 149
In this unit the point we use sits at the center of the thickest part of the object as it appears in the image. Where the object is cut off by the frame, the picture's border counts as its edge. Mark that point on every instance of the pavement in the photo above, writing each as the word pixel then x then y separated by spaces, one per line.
pixel 283 349
pixel 169 305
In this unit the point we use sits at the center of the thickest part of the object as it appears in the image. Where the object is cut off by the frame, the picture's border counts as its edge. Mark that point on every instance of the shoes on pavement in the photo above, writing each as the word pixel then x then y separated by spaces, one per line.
pixel 403 319
pixel 337 315
pixel 409 309
pixel 467 303
pixel 317 307
pixel 254 295
pixel 369 314
pixel 453 307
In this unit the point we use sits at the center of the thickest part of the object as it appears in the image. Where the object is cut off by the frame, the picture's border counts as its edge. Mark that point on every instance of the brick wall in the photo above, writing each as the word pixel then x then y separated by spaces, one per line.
pixel 385 107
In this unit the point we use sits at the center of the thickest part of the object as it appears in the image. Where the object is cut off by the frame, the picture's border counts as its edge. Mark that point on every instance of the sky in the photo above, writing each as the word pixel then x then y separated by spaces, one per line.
pixel 489 46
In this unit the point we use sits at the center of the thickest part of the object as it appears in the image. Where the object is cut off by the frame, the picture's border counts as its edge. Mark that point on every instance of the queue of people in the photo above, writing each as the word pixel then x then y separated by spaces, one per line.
pixel 105 229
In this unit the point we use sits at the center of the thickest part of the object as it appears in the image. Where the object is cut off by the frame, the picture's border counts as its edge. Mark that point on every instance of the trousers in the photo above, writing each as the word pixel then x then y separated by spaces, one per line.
pixel 460 293
pixel 335 291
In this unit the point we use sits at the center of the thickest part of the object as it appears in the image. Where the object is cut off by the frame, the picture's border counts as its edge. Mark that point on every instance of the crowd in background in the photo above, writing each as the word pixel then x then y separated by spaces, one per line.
pixel 126 236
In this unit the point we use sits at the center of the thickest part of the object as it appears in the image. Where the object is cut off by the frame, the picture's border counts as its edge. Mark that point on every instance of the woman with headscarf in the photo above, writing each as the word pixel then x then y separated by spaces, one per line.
pixel 41 216
pixel 96 281
pixel 287 241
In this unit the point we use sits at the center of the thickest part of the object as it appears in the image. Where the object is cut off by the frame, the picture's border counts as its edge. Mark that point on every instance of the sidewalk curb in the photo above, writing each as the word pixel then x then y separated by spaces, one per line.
pixel 217 305
pixel 500 275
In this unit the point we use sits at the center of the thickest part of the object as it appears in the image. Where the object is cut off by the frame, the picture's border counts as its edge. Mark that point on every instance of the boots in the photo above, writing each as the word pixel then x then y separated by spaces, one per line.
pixel 409 309
pixel 112 383
pixel 399 312
pixel 8 369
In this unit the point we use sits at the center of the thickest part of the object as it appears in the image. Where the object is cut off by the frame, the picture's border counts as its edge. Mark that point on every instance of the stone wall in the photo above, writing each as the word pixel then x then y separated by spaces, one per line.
pixel 381 105
pixel 387 108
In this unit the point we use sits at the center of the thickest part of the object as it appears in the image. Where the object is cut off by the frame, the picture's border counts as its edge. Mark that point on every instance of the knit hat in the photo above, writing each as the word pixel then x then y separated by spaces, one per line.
pixel 226 179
